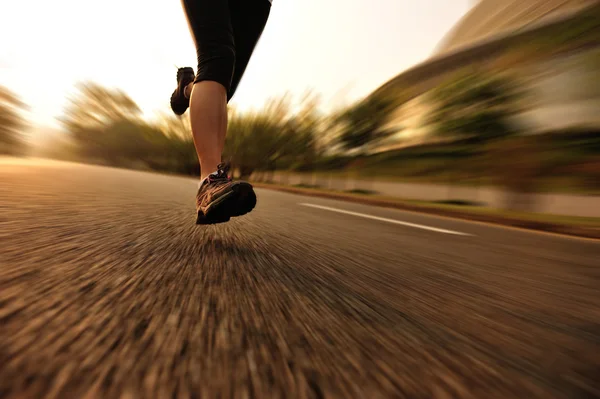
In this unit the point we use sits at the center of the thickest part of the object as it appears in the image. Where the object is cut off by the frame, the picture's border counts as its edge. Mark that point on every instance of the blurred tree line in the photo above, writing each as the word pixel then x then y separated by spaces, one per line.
pixel 107 126
pixel 471 112
pixel 12 124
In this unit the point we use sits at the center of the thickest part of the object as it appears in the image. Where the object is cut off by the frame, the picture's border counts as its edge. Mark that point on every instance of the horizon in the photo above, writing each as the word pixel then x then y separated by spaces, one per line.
pixel 291 56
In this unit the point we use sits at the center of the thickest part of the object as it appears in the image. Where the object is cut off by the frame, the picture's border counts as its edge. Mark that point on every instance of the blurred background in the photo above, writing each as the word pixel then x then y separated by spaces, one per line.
pixel 483 110
pixel 438 96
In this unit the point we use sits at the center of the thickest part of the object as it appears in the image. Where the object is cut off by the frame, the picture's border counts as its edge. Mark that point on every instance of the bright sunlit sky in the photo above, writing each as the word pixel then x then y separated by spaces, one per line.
pixel 343 49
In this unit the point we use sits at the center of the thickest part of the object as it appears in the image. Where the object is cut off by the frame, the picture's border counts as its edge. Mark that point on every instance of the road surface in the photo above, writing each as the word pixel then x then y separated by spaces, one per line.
pixel 108 290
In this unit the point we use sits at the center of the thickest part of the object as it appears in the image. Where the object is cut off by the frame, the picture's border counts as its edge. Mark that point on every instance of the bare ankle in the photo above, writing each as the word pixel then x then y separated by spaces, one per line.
pixel 204 176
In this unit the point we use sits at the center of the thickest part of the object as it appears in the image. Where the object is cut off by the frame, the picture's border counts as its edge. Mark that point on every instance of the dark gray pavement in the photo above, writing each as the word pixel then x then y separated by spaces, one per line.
pixel 108 290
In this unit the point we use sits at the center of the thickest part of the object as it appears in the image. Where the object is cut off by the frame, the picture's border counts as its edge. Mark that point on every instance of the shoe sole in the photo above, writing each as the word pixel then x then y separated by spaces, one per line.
pixel 180 107
pixel 237 202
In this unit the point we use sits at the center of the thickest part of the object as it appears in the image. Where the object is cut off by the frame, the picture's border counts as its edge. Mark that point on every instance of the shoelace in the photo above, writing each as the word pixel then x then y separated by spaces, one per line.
pixel 222 174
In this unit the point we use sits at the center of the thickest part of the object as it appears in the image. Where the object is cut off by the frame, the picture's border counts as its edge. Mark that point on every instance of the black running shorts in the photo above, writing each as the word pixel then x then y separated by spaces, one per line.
pixel 225 33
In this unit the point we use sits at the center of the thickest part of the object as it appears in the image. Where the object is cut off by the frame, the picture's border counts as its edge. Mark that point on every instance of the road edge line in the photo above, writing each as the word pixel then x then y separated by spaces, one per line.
pixel 582 234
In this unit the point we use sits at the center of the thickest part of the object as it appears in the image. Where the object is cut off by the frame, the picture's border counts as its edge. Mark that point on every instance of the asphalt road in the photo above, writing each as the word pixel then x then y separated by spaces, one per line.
pixel 108 290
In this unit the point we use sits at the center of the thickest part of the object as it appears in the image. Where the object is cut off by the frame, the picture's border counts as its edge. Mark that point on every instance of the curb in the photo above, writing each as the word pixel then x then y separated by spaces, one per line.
pixel 547 227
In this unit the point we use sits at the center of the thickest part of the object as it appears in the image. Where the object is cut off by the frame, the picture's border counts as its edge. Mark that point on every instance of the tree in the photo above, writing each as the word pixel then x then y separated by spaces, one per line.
pixel 363 124
pixel 11 123
pixel 273 137
pixel 180 144
pixel 473 107
pixel 254 139
pixel 96 106
pixel 107 125
pixel 300 141
pixel 516 164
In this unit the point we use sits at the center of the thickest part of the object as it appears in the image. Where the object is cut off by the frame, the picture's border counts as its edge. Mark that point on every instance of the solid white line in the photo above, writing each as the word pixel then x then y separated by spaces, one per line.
pixel 362 215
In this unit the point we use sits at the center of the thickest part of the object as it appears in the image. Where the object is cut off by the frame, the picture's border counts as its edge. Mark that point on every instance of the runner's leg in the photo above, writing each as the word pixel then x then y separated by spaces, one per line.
pixel 210 25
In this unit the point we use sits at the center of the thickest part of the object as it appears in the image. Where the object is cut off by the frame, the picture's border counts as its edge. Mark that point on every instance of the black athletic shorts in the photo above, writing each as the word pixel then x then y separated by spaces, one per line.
pixel 225 33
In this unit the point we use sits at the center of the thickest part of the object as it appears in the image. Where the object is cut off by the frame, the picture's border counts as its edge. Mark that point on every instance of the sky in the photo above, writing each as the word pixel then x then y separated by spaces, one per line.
pixel 341 49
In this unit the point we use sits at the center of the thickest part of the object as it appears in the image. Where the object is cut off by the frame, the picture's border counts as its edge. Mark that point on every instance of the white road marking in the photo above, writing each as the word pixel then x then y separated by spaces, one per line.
pixel 362 215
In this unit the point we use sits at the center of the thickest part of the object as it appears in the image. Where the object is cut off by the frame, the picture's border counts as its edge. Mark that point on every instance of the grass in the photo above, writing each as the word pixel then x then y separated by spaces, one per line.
pixel 459 202
pixel 302 185
pixel 361 191
pixel 525 216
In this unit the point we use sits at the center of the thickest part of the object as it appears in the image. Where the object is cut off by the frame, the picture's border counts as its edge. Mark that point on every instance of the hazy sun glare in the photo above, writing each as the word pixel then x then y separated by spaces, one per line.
pixel 334 47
